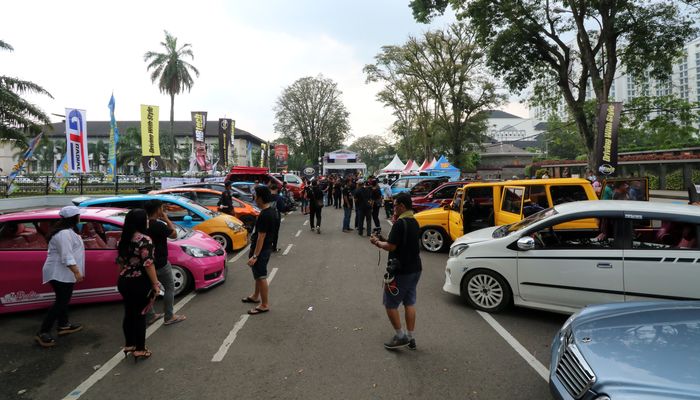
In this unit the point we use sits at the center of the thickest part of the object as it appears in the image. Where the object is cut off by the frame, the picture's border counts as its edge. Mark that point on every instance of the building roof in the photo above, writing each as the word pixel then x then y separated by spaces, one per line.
pixel 100 129
pixel 504 148
pixel 501 114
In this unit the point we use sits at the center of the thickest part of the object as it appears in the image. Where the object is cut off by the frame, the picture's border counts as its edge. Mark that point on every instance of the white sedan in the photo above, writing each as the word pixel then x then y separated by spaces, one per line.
pixel 580 253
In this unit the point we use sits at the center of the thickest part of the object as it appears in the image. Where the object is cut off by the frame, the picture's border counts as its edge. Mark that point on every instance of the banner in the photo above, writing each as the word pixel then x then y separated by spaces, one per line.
pixel 606 143
pixel 76 141
pixel 60 180
pixel 262 154
pixel 150 139
pixel 199 130
pixel 113 143
pixel 23 160
pixel 232 146
pixel 225 126
pixel 281 155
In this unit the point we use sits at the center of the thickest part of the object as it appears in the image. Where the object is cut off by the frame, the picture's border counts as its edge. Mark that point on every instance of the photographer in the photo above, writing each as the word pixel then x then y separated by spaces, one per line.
pixel 403 271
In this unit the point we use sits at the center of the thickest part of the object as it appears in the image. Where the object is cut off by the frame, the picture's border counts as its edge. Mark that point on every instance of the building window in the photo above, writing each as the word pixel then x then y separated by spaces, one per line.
pixel 683 78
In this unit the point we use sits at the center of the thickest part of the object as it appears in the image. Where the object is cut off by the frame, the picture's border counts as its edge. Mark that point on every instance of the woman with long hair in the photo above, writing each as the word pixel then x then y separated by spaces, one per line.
pixel 138 283
pixel 64 266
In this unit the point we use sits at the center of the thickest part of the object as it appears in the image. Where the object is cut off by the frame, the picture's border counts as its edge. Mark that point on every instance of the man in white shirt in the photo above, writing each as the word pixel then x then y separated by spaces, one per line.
pixel 388 198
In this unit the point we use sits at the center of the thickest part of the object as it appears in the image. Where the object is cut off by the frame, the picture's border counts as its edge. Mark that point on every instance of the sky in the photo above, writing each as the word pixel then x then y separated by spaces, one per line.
pixel 246 52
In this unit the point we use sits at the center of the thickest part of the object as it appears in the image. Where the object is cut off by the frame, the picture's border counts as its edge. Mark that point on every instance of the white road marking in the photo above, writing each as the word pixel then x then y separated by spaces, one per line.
pixel 298 233
pixel 390 223
pixel 306 222
pixel 529 358
pixel 282 220
pixel 240 254
pixel 286 251
pixel 221 353
pixel 117 358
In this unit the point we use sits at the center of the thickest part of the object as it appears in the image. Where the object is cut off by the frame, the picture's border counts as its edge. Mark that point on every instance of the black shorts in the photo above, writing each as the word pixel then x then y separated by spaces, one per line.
pixel 405 291
pixel 260 267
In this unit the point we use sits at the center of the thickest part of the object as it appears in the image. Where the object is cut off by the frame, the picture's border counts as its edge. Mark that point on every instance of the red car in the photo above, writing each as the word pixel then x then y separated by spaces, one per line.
pixel 252 174
pixel 438 197
pixel 294 184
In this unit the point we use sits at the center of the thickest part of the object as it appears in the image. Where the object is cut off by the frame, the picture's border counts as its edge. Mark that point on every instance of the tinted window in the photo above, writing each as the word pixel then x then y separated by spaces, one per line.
pixel 27 235
pixel 446 192
pixel 422 188
pixel 98 235
pixel 657 234
pixel 592 233
pixel 567 194
pixel 481 205
pixel 178 213
pixel 207 199
pixel 512 200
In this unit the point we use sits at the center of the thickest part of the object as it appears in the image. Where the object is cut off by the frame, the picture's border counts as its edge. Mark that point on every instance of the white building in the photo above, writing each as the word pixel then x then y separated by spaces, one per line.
pixel 508 128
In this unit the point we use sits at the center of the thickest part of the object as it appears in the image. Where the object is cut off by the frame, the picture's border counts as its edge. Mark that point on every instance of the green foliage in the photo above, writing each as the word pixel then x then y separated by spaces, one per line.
pixel 674 180
pixel 374 151
pixel 563 140
pixel 129 148
pixel 311 118
pixel 540 172
pixel 653 123
pixel 19 118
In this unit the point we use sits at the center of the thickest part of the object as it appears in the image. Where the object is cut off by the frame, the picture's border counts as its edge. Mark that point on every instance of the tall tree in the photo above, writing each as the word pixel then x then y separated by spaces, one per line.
pixel 19 117
pixel 442 79
pixel 173 75
pixel 311 116
pixel 374 150
pixel 528 38
pixel 129 148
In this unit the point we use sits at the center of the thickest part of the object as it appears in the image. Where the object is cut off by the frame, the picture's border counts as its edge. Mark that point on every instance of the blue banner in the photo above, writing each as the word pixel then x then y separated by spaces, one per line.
pixel 23 159
pixel 113 143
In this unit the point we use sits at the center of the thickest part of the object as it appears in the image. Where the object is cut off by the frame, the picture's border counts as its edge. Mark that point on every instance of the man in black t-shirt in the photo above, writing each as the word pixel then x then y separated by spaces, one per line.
pixel 363 196
pixel 160 228
pixel 403 246
pixel 226 201
pixel 260 249
pixel 347 205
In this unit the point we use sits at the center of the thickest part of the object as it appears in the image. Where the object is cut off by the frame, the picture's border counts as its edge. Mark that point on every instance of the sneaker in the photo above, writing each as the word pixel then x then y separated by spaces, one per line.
pixel 45 340
pixel 72 328
pixel 412 344
pixel 318 230
pixel 396 342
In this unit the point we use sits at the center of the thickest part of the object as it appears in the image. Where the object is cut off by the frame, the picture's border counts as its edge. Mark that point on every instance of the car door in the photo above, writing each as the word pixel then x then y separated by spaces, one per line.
pixel 511 207
pixel 101 272
pixel 572 268
pixel 478 212
pixel 454 216
pixel 662 261
pixel 21 285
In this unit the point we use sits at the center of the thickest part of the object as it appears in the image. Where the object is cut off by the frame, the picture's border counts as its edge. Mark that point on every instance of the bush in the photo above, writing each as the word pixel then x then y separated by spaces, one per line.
pixel 674 180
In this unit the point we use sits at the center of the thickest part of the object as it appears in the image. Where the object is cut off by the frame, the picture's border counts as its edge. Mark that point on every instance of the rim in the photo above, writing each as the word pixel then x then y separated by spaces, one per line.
pixel 432 240
pixel 221 239
pixel 485 291
pixel 179 279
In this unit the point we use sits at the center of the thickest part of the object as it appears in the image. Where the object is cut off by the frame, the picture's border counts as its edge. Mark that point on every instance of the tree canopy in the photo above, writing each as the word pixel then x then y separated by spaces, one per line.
pixel 311 118
pixel 374 150
pixel 18 117
pixel 573 43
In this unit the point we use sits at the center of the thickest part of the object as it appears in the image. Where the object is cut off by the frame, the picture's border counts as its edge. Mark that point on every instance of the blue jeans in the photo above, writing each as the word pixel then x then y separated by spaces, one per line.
pixel 346 217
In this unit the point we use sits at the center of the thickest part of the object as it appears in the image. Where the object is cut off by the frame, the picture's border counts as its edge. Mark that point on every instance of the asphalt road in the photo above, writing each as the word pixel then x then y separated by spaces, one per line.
pixel 322 338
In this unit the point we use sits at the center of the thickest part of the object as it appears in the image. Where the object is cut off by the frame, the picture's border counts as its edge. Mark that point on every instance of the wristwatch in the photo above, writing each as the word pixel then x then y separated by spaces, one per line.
pixel 254 257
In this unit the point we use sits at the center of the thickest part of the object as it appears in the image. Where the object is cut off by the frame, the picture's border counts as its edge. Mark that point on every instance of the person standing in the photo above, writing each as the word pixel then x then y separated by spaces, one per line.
pixel 260 251
pixel 160 228
pixel 364 208
pixel 403 247
pixel 316 206
pixel 226 200
pixel 329 192
pixel 63 268
pixel 278 203
pixel 138 282
pixel 323 184
pixel 347 205
pixel 338 192
pixel 376 202
pixel 388 199
pixel 305 194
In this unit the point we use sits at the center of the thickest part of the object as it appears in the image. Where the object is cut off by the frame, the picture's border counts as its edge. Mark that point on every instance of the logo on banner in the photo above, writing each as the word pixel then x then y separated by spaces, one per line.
pixel 76 138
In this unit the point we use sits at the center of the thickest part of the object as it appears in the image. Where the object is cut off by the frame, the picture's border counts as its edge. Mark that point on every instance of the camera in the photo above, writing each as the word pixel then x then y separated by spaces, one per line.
pixel 392 265
pixel 376 231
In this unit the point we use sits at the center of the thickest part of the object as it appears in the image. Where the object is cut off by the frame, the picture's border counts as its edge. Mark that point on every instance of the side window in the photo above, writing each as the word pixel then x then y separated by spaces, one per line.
pixel 590 233
pixel 481 200
pixel 24 235
pixel 655 234
pixel 567 194
pixel 513 200
pixel 411 182
pixel 207 199
pixel 457 202
pixel 120 204
pixel 236 203
pixel 446 192
pixel 420 188
pixel 177 213
pixel 98 235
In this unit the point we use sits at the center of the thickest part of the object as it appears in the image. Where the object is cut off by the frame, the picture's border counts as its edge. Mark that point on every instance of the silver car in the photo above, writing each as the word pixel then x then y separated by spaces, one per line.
pixel 625 351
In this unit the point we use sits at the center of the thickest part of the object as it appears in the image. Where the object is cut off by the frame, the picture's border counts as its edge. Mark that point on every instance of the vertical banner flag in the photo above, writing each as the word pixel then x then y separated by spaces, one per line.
pixel 76 141
pixel 225 125
pixel 232 146
pixel 21 162
pixel 61 176
pixel 113 143
pixel 199 129
pixel 606 143
pixel 281 156
pixel 249 155
pixel 262 154
pixel 150 140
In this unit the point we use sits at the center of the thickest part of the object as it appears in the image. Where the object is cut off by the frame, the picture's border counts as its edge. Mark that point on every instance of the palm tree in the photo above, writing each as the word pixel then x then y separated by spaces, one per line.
pixel 99 151
pixel 129 148
pixel 172 74
pixel 18 116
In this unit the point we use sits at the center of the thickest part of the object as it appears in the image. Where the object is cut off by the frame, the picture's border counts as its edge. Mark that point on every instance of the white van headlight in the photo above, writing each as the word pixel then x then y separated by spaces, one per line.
pixel 458 249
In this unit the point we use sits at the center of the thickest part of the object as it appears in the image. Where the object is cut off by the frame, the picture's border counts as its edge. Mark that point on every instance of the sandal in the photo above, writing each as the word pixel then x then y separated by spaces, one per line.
pixel 143 354
pixel 258 310
pixel 155 318
pixel 249 299
pixel 175 320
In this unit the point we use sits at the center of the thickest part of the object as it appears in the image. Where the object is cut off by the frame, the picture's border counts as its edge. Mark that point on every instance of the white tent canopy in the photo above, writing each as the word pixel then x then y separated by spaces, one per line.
pixel 408 166
pixel 394 165
pixel 415 167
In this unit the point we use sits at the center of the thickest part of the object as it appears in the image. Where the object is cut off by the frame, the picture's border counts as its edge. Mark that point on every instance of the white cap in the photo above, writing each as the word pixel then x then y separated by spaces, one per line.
pixel 70 211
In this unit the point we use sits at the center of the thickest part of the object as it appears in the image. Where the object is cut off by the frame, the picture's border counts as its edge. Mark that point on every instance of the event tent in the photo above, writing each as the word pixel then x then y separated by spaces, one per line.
pixel 425 165
pixel 432 164
pixel 444 168
pixel 409 166
pixel 394 166
pixel 415 167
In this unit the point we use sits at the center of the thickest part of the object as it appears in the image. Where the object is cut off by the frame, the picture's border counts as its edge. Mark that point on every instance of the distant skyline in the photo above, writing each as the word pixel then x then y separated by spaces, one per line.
pixel 247 52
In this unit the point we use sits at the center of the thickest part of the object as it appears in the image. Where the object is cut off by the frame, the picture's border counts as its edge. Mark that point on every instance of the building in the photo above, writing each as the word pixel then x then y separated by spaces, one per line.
pixel 342 162
pixel 246 145
pixel 503 161
pixel 508 128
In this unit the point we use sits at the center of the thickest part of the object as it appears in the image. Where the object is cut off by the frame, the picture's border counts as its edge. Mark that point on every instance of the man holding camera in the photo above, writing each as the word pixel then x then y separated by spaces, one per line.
pixel 403 271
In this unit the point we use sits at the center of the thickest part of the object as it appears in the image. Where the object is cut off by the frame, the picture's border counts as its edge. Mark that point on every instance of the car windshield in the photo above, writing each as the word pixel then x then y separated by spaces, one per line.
pixel 182 232
pixel 198 208
pixel 506 230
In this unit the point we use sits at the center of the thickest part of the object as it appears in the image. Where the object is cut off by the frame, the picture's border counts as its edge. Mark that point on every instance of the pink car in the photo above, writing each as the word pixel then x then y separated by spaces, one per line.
pixel 198 260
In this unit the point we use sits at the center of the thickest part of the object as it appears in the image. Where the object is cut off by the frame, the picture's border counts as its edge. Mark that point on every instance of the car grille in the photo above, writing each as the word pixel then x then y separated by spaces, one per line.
pixel 219 252
pixel 573 371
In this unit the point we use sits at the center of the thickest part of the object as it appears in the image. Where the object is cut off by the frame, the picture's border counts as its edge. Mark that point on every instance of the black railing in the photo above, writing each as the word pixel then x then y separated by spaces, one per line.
pixel 75 185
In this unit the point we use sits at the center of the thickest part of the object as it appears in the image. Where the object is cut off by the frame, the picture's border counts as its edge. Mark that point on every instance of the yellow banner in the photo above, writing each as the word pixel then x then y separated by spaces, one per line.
pixel 149 131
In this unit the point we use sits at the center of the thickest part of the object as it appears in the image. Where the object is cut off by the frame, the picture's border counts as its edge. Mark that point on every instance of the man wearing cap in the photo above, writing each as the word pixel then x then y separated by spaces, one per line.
pixel 64 266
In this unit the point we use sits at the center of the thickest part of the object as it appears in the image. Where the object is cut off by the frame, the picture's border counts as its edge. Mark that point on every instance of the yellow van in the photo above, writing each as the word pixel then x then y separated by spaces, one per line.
pixel 483 204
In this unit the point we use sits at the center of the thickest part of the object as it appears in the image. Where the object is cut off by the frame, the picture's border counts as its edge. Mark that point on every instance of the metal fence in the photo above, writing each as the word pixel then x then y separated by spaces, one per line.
pixel 76 185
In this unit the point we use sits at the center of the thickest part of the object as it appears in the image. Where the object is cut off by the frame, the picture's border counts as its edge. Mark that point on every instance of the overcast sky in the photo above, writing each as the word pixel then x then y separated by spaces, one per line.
pixel 246 51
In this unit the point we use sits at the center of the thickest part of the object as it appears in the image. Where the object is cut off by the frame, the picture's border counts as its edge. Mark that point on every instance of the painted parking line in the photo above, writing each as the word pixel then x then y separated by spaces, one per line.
pixel 298 233
pixel 519 348
pixel 240 254
pixel 286 251
pixel 282 220
pixel 119 357
pixel 231 337
pixel 306 222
